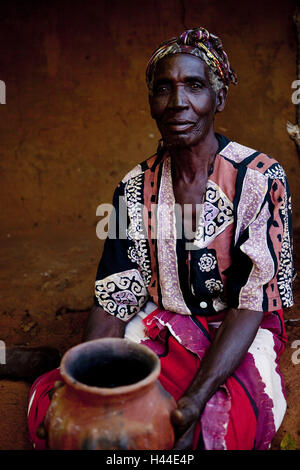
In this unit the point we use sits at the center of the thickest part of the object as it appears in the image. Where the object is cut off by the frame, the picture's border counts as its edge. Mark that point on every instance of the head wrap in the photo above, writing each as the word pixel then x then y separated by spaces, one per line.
pixel 200 43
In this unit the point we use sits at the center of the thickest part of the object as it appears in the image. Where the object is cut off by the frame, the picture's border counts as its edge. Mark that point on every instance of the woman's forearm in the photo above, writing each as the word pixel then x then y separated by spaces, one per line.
pixel 232 341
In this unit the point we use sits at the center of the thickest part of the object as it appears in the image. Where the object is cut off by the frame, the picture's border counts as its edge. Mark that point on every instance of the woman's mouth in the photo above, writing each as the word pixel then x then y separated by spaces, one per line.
pixel 179 126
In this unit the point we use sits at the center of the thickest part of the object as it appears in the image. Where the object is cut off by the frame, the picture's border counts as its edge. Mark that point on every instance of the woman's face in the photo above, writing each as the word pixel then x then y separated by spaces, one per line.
pixel 183 102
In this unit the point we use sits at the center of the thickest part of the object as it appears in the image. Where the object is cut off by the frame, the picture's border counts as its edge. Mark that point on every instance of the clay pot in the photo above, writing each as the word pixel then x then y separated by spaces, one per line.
pixel 111 399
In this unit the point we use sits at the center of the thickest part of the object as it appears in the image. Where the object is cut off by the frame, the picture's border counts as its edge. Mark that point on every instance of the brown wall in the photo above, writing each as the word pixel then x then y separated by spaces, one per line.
pixel 77 118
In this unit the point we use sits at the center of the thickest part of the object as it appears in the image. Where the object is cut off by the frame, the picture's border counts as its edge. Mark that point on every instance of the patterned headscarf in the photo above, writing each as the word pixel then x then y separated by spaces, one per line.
pixel 202 44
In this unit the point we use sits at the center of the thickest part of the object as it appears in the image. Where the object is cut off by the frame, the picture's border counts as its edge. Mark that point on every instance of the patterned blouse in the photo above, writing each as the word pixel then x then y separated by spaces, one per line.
pixel 240 255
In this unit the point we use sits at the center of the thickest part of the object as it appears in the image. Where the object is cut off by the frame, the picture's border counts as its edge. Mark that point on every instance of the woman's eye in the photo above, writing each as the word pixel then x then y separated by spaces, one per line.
pixel 161 89
pixel 195 85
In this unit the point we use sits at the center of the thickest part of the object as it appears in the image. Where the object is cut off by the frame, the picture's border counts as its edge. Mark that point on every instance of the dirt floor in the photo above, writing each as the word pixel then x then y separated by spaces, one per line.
pixel 46 289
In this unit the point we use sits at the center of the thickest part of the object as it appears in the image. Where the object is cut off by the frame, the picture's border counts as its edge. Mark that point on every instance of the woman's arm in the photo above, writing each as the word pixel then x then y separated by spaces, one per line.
pixel 232 341
pixel 101 324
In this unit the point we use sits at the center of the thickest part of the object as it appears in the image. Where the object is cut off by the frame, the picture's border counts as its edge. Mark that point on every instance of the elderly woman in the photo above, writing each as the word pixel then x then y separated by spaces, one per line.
pixel 205 267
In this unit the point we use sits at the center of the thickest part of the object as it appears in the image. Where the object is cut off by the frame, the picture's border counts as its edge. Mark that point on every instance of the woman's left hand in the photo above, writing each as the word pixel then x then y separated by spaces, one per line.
pixel 184 419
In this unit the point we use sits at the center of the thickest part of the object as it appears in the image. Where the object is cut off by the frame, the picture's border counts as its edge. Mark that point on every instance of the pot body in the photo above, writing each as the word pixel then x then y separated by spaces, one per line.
pixel 118 416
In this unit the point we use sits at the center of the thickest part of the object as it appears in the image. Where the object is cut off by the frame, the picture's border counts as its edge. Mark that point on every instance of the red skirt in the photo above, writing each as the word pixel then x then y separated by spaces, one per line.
pixel 239 416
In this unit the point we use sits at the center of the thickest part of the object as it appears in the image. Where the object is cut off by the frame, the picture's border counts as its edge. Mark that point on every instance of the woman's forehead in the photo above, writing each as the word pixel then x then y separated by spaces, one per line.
pixel 180 64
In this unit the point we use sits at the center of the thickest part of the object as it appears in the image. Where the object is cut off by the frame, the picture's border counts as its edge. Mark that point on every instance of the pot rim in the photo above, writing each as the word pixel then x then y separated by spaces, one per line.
pixel 112 391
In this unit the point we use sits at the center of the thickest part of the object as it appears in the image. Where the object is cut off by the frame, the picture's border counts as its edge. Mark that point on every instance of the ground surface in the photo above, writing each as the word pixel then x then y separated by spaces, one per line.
pixel 46 290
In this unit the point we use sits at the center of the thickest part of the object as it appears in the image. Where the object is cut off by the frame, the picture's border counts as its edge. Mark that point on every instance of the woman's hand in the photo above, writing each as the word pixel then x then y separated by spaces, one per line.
pixel 184 419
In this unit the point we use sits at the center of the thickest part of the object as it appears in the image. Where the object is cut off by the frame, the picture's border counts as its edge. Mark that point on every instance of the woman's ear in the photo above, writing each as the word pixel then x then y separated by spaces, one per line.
pixel 221 100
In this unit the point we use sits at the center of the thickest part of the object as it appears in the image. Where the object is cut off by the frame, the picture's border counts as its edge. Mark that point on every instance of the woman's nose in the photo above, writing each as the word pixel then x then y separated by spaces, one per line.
pixel 178 98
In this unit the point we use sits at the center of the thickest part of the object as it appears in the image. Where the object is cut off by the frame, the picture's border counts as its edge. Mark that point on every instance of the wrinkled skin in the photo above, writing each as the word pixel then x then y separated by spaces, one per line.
pixel 183 104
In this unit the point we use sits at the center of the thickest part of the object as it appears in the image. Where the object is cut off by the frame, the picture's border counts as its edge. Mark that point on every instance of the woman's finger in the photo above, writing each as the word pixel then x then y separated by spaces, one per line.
pixel 186 440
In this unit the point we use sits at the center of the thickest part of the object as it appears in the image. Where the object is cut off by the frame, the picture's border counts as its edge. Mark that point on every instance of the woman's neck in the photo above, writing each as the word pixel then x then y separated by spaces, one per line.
pixel 192 163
